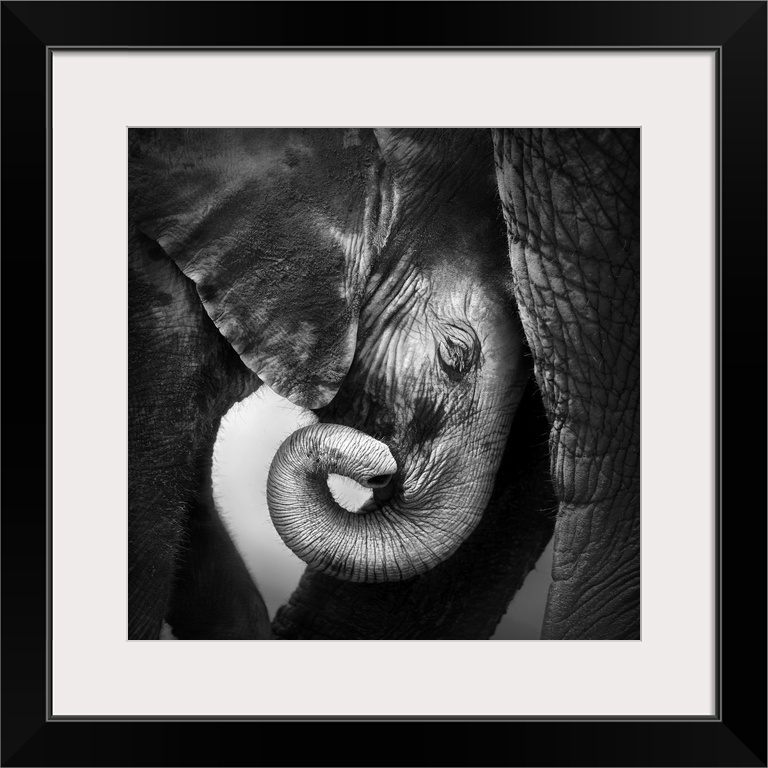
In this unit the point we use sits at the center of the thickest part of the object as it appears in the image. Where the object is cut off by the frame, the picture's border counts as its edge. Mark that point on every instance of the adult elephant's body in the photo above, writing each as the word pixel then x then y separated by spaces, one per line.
pixel 571 200
pixel 183 377
pixel 364 276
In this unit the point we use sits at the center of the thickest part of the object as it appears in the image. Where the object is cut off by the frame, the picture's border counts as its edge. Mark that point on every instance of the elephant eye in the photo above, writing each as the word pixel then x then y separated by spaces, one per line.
pixel 458 352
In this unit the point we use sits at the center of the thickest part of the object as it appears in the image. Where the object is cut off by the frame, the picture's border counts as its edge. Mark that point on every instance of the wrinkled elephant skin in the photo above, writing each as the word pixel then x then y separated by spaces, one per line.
pixel 571 200
pixel 363 275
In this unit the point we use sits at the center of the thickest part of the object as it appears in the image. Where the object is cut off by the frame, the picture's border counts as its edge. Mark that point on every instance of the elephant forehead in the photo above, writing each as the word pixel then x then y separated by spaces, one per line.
pixel 425 304
pixel 480 298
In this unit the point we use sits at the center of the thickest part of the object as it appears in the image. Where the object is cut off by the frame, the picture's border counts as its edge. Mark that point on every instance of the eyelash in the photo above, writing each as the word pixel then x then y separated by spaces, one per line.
pixel 458 352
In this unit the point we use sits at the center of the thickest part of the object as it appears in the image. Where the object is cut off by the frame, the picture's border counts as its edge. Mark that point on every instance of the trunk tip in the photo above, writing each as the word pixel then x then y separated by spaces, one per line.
pixel 378 481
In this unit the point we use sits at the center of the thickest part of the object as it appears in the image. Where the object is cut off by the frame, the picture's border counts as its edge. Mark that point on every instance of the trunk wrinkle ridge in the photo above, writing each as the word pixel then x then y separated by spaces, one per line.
pixel 387 540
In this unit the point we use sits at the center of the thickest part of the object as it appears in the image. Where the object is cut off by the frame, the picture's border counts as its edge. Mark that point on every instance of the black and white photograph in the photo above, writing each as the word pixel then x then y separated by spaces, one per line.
pixel 384 383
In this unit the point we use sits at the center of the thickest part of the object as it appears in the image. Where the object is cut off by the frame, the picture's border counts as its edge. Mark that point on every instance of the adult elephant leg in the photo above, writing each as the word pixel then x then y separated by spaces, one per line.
pixel 214 597
pixel 465 597
pixel 571 201
pixel 182 377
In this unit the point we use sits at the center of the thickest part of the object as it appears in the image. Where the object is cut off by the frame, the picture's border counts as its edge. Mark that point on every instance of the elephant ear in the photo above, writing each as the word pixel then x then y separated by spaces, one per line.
pixel 258 220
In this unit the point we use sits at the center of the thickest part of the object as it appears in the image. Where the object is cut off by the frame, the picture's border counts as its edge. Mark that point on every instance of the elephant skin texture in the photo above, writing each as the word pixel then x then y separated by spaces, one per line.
pixel 571 200
pixel 402 284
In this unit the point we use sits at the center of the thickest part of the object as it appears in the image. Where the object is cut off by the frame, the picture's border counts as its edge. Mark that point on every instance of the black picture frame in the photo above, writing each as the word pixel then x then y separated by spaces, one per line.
pixel 736 736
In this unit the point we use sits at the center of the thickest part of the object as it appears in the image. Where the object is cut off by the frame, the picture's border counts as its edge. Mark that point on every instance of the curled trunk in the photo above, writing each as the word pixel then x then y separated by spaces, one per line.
pixel 406 531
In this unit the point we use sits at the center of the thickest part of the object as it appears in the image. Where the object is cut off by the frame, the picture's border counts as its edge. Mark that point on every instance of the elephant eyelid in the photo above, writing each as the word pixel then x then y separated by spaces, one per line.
pixel 458 352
